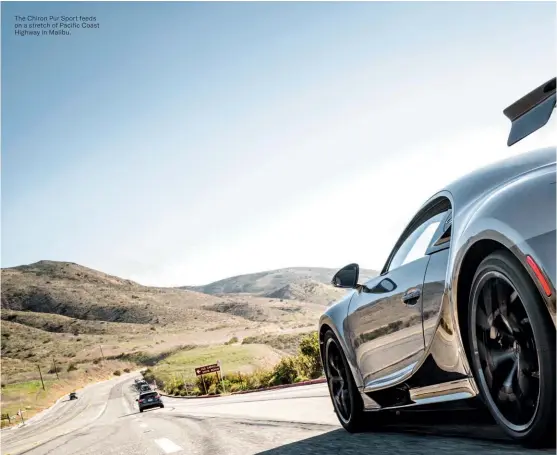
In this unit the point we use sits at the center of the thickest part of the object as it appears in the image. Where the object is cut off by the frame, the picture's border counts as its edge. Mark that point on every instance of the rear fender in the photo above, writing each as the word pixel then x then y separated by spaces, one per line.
pixel 520 216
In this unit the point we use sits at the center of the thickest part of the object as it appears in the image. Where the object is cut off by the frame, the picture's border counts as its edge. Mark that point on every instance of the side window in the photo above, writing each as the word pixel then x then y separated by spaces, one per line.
pixel 415 245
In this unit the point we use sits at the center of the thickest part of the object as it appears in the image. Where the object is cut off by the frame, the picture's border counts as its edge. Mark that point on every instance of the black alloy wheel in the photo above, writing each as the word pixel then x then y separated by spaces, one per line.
pixel 513 349
pixel 345 396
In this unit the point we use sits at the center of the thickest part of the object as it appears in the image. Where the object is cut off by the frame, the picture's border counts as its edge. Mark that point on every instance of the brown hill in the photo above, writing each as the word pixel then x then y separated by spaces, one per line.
pixel 308 291
pixel 84 294
pixel 266 283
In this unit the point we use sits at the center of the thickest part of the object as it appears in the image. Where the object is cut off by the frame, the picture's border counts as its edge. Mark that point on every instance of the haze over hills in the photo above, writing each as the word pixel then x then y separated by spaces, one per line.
pixel 280 281
pixel 66 310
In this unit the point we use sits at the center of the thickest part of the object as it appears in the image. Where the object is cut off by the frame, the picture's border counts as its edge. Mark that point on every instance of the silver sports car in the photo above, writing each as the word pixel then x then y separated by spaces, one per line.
pixel 465 304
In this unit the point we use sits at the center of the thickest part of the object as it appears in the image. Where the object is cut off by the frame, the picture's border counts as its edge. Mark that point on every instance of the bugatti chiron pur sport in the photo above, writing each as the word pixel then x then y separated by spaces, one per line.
pixel 464 307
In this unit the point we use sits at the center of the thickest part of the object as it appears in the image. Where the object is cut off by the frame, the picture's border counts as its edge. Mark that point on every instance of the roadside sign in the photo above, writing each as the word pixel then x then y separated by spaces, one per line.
pixel 206 369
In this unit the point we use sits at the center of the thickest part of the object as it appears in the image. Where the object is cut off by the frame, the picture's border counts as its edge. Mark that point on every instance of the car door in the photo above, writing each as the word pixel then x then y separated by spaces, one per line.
pixel 385 316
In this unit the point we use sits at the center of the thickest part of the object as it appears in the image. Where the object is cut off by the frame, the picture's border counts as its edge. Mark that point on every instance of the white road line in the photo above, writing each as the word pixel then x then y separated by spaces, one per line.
pixel 167 445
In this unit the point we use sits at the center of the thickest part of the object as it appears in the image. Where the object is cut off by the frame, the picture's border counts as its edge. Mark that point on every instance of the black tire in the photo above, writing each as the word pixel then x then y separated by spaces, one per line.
pixel 161 406
pixel 507 319
pixel 356 420
pixel 141 410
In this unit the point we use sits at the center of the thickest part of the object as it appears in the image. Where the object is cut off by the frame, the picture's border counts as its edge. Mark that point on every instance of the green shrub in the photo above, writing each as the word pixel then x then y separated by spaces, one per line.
pixel 126 370
pixel 285 372
pixel 72 367
pixel 212 389
pixel 309 345
pixel 232 340
pixel 117 373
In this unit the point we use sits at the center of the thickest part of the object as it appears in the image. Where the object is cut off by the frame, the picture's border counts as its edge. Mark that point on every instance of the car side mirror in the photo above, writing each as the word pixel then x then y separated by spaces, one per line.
pixel 347 277
pixel 137 399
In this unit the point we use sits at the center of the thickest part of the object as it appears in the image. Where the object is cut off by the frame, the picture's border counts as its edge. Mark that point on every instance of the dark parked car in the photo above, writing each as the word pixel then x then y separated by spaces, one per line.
pixel 148 400
pixel 464 306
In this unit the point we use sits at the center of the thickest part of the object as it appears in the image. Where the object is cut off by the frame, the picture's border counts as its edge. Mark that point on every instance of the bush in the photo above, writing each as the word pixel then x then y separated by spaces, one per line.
pixel 54 370
pixel 232 340
pixel 285 372
pixel 148 375
pixel 72 367
pixel 212 389
pixel 196 391
pixel 117 373
pixel 309 345
pixel 309 358
pixel 96 361
pixel 126 370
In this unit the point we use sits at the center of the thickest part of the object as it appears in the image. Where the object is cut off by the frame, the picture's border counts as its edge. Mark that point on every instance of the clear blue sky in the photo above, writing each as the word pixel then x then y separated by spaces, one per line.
pixel 181 143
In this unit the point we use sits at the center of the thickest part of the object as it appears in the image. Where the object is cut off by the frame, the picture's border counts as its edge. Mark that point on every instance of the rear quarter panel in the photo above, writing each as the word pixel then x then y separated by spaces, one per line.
pixel 521 215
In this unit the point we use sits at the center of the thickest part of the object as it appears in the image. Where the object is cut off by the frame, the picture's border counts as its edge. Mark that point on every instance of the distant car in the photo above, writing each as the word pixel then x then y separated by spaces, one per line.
pixel 144 388
pixel 465 304
pixel 148 400
pixel 73 396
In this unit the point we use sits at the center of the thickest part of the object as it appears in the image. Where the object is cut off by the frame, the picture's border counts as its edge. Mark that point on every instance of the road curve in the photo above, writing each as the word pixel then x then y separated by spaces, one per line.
pixel 105 421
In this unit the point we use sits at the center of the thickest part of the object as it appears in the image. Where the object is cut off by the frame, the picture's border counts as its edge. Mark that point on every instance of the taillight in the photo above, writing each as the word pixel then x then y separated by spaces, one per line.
pixel 141 401
pixel 539 275
pixel 158 397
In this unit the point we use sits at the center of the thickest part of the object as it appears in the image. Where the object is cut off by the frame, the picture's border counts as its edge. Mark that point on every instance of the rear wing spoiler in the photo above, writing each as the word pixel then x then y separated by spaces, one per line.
pixel 531 112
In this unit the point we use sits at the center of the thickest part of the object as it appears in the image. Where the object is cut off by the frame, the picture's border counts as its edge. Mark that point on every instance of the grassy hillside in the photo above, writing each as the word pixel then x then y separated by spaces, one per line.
pixel 234 358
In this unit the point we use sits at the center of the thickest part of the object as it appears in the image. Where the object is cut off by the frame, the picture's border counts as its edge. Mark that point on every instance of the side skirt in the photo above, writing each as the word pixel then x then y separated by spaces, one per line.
pixel 405 397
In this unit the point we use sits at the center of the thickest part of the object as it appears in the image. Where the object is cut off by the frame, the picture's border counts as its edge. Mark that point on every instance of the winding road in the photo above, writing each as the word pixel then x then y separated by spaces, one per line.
pixel 300 420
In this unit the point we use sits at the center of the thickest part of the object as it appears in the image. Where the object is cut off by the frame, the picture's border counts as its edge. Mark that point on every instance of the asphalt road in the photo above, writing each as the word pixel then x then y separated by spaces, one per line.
pixel 105 421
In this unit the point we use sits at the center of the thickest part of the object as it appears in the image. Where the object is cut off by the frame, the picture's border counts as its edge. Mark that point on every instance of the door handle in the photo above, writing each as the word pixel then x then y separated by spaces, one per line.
pixel 411 296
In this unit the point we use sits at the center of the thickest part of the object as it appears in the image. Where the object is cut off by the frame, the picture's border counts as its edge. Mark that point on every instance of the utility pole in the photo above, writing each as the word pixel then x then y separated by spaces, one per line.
pixel 102 355
pixel 55 368
pixel 41 375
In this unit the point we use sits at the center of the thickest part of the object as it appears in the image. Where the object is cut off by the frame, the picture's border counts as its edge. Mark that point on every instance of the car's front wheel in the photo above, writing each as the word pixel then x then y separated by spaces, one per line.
pixel 512 345
pixel 345 396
